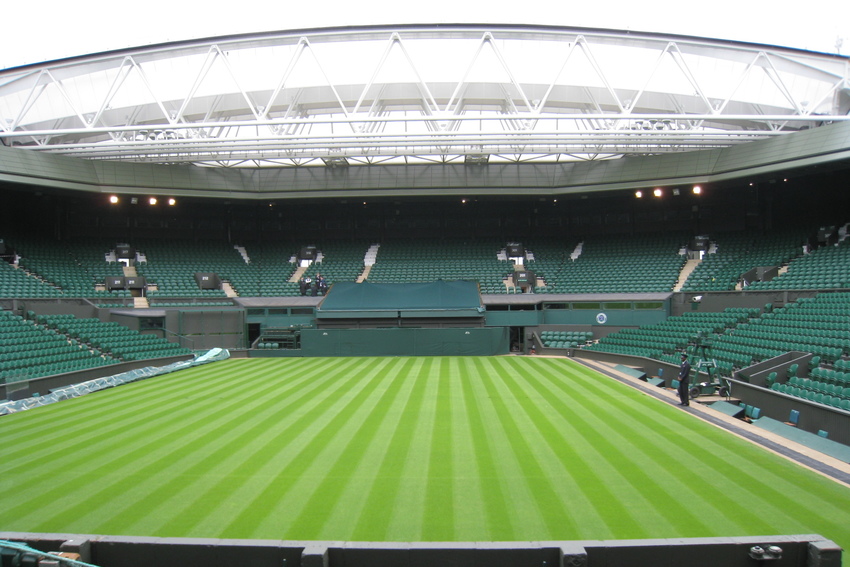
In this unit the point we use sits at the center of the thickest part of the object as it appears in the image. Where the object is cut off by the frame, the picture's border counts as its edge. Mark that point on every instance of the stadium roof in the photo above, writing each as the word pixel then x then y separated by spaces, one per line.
pixel 422 110
pixel 418 95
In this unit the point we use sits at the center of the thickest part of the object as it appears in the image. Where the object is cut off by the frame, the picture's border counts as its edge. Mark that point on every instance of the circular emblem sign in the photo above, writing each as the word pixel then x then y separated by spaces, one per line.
pixel 601 318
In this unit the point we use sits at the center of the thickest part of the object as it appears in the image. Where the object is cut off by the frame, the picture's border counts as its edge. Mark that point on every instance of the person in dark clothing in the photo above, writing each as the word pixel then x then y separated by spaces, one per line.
pixel 684 381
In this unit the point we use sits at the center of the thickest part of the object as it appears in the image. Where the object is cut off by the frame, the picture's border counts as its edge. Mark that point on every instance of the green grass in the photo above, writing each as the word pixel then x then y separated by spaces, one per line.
pixel 397 449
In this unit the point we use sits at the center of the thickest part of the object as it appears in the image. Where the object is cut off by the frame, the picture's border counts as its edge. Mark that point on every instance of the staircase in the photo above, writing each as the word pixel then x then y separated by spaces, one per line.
pixel 243 253
pixel 371 255
pixel 364 275
pixel 574 255
pixel 369 260
pixel 228 290
pixel 689 267
pixel 296 276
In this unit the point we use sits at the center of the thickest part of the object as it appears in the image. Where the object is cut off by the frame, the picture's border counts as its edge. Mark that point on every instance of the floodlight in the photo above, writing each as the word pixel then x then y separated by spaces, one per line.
pixel 476 159
pixel 336 161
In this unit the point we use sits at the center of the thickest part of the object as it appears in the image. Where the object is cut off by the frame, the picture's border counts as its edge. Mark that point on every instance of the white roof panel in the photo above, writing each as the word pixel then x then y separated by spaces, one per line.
pixel 414 94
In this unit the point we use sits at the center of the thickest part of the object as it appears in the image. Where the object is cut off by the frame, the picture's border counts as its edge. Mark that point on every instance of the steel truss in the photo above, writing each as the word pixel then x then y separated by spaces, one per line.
pixel 418 94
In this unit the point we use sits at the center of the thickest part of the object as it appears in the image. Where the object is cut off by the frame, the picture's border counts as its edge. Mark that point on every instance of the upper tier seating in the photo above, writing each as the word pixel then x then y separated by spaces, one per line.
pixel 595 265
pixel 428 260
pixel 171 267
pixel 610 264
pixel 827 267
pixel 738 252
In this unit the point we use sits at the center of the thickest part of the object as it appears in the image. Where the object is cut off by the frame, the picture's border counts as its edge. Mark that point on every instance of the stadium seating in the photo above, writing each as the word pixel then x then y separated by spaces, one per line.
pixel 448 259
pixel 733 254
pixel 31 350
pixel 565 339
pixel 112 339
pixel 595 264
pixel 609 264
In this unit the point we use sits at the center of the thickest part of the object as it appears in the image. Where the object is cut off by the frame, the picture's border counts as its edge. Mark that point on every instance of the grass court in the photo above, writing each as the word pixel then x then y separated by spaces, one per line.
pixel 397 449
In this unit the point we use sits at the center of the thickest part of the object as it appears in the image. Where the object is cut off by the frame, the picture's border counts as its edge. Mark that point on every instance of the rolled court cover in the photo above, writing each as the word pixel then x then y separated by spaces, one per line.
pixel 433 299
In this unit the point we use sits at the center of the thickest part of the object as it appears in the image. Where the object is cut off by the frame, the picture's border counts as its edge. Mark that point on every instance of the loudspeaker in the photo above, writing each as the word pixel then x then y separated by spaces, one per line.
pixel 526 277
pixel 115 282
pixel 207 280
pixel 124 251
pixel 699 243
pixel 135 282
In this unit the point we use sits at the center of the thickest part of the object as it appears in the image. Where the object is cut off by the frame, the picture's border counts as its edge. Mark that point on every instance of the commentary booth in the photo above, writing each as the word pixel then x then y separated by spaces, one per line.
pixel 372 319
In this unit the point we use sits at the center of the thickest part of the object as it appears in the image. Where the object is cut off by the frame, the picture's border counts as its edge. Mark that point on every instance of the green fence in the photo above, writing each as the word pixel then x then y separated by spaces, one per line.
pixel 405 342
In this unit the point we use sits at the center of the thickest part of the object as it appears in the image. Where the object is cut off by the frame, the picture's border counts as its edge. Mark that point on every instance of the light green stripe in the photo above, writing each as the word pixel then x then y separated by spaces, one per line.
pixel 438 521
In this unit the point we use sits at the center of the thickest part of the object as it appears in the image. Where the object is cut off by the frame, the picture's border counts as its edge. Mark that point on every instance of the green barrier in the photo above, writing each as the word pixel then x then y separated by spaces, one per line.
pixel 481 341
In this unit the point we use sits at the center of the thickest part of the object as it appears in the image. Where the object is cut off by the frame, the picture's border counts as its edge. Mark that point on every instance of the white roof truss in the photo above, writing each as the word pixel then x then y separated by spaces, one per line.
pixel 418 94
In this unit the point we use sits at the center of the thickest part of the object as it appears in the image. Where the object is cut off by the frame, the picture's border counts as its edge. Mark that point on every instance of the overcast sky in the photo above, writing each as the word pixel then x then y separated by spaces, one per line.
pixel 39 30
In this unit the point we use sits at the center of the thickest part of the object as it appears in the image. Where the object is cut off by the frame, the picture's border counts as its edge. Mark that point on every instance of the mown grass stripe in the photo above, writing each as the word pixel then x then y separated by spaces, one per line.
pixel 213 455
pixel 673 492
pixel 150 450
pixel 350 454
pixel 207 510
pixel 133 472
pixel 470 512
pixel 136 404
pixel 497 521
pixel 302 500
pixel 512 458
pixel 593 500
pixel 438 521
pixel 89 457
pixel 375 514
pixel 548 446
pixel 129 396
pixel 273 481
pixel 726 474
pixel 581 481
pixel 406 518
pixel 614 452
